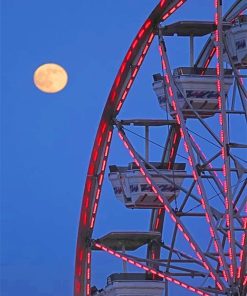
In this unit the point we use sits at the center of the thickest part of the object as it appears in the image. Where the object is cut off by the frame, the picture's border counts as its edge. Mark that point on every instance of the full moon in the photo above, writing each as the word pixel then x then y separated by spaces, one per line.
pixel 50 78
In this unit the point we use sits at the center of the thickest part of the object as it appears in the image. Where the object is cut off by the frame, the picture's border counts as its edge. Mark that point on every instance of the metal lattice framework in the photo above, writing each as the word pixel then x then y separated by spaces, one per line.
pixel 219 266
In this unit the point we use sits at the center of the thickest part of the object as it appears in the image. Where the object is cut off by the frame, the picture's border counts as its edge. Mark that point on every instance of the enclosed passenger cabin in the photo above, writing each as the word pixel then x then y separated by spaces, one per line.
pixel 196 90
pixel 129 284
pixel 131 187
pixel 236 40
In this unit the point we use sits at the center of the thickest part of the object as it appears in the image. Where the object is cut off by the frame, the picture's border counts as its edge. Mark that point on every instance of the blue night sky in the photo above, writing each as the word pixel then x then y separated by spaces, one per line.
pixel 47 138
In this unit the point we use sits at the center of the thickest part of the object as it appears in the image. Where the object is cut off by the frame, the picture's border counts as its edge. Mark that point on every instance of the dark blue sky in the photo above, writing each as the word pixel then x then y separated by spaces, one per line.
pixel 47 138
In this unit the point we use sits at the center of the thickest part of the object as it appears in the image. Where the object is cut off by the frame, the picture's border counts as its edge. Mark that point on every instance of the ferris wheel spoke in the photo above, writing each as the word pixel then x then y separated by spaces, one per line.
pixel 188 194
pixel 165 263
pixel 210 160
pixel 153 271
pixel 172 246
pixel 180 254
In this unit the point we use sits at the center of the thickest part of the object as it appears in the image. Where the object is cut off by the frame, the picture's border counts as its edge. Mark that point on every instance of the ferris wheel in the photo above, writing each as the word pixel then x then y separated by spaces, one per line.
pixel 195 189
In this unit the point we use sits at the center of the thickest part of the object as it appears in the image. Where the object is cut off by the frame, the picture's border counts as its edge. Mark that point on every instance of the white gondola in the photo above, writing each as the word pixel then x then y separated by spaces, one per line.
pixel 129 285
pixel 236 40
pixel 131 188
pixel 196 89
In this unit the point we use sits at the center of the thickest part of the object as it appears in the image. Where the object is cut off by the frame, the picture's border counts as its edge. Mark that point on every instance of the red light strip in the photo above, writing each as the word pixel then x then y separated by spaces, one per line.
pixel 162 3
pixel 78 271
pixel 157 226
pixel 157 222
pixel 128 56
pixel 223 137
pixel 139 62
pixel 77 286
pixel 173 9
pixel 150 270
pixel 169 209
pixel 174 143
pixel 208 60
pixel 245 281
pixel 88 274
pixel 100 179
pixel 191 158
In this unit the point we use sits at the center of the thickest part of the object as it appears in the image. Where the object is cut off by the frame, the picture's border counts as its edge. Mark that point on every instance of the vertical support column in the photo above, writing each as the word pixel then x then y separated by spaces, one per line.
pixel 157 216
pixel 225 140
pixel 191 50
pixel 166 288
pixel 124 262
pixel 146 142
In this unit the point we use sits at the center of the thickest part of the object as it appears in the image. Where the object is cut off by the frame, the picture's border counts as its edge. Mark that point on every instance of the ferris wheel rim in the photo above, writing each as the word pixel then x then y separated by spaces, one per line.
pixel 105 131
pixel 163 9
